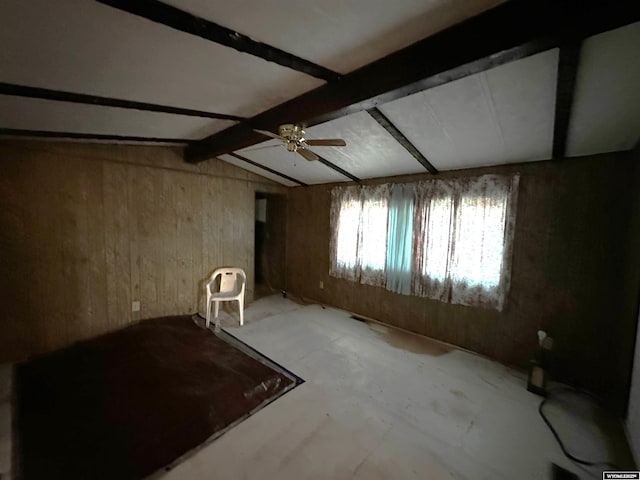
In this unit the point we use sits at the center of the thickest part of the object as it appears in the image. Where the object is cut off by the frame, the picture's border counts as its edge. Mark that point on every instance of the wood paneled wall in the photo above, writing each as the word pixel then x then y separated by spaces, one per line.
pixel 85 230
pixel 574 273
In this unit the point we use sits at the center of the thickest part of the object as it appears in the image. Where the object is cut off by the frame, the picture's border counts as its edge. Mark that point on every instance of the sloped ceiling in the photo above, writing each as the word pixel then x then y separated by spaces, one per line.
pixel 339 35
pixel 85 47
pixel 606 109
pixel 92 70
pixel 38 114
pixel 503 115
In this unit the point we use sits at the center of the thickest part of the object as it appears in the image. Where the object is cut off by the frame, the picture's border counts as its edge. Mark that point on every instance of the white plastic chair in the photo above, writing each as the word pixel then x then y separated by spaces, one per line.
pixel 228 291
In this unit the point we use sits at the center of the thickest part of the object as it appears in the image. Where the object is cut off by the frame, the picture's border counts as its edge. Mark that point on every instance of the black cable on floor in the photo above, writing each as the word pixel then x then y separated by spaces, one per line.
pixel 581 461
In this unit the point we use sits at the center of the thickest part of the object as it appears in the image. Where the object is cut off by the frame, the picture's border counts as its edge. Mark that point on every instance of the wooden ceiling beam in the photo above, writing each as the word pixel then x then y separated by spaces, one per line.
pixel 177 19
pixel 267 169
pixel 399 137
pixel 513 30
pixel 61 96
pixel 568 61
pixel 14 132
pixel 336 168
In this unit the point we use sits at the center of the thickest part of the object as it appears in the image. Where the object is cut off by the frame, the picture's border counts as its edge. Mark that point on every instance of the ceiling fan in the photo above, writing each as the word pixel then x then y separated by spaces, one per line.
pixel 292 136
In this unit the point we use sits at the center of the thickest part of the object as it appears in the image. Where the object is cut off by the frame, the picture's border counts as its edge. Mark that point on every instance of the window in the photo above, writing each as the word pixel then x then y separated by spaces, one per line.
pixel 400 239
pixel 347 242
pixel 445 239
pixel 479 240
pixel 359 243
pixel 374 233
pixel 438 215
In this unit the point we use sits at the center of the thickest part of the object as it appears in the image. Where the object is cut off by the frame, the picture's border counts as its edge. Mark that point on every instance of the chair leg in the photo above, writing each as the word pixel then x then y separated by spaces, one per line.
pixel 208 317
pixel 216 305
pixel 241 308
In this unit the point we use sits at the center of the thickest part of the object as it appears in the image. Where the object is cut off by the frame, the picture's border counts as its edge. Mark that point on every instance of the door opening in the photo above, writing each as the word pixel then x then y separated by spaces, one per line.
pixel 270 241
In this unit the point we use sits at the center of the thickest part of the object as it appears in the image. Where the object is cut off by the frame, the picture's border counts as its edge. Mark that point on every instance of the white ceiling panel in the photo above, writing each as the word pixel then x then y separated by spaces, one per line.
pixel 86 47
pixel 292 164
pixel 339 35
pixel 503 115
pixel 257 170
pixel 36 114
pixel 606 108
pixel 370 152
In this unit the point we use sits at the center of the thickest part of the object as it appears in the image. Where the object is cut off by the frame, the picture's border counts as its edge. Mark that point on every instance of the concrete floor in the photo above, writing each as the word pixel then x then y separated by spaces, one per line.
pixel 378 403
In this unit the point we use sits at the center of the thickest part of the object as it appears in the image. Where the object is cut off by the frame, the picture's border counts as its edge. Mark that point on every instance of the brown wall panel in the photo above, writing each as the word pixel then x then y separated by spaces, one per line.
pixel 569 273
pixel 87 229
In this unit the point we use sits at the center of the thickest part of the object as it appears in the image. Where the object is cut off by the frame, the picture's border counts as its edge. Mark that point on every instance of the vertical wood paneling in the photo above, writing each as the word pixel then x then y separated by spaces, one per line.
pixel 14 237
pixel 194 226
pixel 183 243
pixel 87 229
pixel 149 249
pixel 212 233
pixel 117 248
pixel 204 242
pixel 96 242
pixel 134 208
pixel 50 203
pixel 167 276
pixel 197 225
pixel 248 202
pixel 75 251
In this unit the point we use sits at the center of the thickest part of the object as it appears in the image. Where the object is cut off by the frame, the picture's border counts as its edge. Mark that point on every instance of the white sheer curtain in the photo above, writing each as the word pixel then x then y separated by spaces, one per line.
pixel 450 240
pixel 346 207
pixel 432 235
pixel 359 243
pixel 464 235
pixel 372 248
pixel 483 241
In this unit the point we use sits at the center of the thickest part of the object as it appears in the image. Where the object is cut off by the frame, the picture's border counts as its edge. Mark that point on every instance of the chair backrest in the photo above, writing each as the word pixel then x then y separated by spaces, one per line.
pixel 228 280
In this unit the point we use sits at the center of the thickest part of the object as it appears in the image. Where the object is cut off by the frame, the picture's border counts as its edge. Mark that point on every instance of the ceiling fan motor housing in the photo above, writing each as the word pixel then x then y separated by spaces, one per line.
pixel 292 136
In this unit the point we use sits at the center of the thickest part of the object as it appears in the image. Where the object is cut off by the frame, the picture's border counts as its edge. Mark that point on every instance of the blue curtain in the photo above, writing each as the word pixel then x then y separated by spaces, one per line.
pixel 400 239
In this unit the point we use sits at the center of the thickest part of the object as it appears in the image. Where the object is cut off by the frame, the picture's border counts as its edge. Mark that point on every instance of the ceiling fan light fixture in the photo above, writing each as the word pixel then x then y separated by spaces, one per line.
pixel 293 133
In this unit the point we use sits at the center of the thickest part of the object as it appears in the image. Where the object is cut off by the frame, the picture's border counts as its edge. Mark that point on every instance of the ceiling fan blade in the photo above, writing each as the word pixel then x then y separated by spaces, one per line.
pixel 270 134
pixel 326 142
pixel 261 148
pixel 307 154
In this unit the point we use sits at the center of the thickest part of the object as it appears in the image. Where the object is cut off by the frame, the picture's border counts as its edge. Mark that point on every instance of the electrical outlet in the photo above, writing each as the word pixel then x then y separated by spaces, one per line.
pixel 321 284
pixel 135 306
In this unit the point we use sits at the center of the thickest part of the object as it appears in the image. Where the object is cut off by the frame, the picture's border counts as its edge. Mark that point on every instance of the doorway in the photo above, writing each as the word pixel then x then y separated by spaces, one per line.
pixel 270 243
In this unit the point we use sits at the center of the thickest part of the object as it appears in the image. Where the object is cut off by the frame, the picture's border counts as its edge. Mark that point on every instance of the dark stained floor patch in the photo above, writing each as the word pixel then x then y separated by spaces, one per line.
pixel 128 403
pixel 408 341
